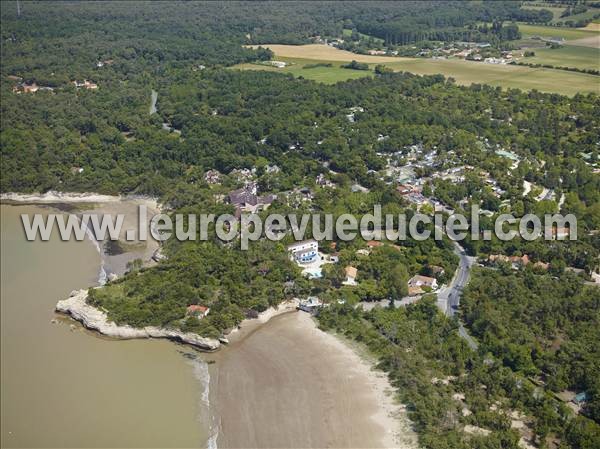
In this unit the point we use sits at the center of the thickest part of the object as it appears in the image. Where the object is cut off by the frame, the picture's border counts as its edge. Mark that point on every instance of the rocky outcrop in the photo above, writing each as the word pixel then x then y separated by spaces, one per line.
pixel 95 319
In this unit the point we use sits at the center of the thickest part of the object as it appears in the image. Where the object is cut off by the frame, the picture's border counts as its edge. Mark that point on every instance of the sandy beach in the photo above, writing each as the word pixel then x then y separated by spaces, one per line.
pixel 286 384
pixel 281 382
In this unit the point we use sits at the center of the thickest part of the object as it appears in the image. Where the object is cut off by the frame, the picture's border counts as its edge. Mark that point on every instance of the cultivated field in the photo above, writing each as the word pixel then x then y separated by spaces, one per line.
pixel 323 52
pixel 567 56
pixel 573 36
pixel 464 72
pixel 592 41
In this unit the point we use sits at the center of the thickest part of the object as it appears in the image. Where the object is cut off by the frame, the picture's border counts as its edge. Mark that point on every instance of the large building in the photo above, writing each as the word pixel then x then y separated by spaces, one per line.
pixel 247 200
pixel 304 252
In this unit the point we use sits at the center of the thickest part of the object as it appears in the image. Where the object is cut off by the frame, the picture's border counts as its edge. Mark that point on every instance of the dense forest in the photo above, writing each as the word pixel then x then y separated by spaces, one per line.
pixel 553 337
pixel 448 387
pixel 537 329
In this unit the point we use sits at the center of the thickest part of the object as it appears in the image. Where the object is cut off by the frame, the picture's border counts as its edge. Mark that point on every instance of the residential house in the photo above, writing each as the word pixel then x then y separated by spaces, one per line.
pixel 310 304
pixel 351 273
pixel 515 261
pixel 86 84
pixel 406 189
pixel 561 233
pixel 322 181
pixel 244 174
pixel 357 188
pixel 212 177
pixel 374 244
pixel 423 281
pixel 247 200
pixel 26 88
pixel 463 53
pixel 197 311
pixel 436 270
pixel 304 252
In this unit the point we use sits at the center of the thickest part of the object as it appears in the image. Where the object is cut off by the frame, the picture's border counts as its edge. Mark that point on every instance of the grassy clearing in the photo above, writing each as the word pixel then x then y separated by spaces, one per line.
pixel 589 14
pixel 327 75
pixel 568 56
pixel 346 33
pixel 464 72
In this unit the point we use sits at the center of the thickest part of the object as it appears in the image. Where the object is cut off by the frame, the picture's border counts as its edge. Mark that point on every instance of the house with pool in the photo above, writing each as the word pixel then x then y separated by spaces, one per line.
pixel 305 252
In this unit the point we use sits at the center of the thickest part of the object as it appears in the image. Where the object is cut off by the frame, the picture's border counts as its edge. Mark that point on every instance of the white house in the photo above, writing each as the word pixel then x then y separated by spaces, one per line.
pixel 278 64
pixel 304 252
pixel 423 281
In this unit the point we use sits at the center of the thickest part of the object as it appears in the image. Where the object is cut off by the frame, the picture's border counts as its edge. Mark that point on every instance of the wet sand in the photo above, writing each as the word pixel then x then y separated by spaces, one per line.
pixel 288 384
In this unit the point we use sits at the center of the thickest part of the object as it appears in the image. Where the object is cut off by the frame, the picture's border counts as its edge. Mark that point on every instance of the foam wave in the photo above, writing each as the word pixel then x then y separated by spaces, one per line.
pixel 202 374
pixel 102 275
pixel 212 441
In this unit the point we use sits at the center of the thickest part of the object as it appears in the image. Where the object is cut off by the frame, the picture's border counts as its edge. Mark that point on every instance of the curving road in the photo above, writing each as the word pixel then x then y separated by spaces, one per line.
pixel 449 296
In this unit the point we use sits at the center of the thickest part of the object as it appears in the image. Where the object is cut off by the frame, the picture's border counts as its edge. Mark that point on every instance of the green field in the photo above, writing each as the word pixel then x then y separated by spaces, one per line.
pixel 507 76
pixel 328 75
pixel 591 12
pixel 346 33
pixel 549 32
pixel 466 73
pixel 558 10
pixel 568 56
pixel 555 10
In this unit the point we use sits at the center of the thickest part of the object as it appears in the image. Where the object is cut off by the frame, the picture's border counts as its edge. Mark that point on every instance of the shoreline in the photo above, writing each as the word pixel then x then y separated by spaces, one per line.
pixel 54 196
pixel 386 420
pixel 288 384
pixel 95 319
pixel 391 413
pixel 93 203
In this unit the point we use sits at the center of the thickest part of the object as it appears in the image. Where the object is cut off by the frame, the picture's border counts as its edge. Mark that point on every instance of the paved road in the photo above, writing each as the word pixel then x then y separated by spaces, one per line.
pixel 449 296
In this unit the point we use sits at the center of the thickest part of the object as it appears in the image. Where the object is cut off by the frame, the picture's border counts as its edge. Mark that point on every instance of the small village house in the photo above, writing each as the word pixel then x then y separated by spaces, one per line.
pixel 423 281
pixel 436 270
pixel 560 233
pixel 86 85
pixel 351 273
pixel 334 257
pixel 310 304
pixel 197 311
pixel 212 177
pixel 26 88
pixel 374 244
